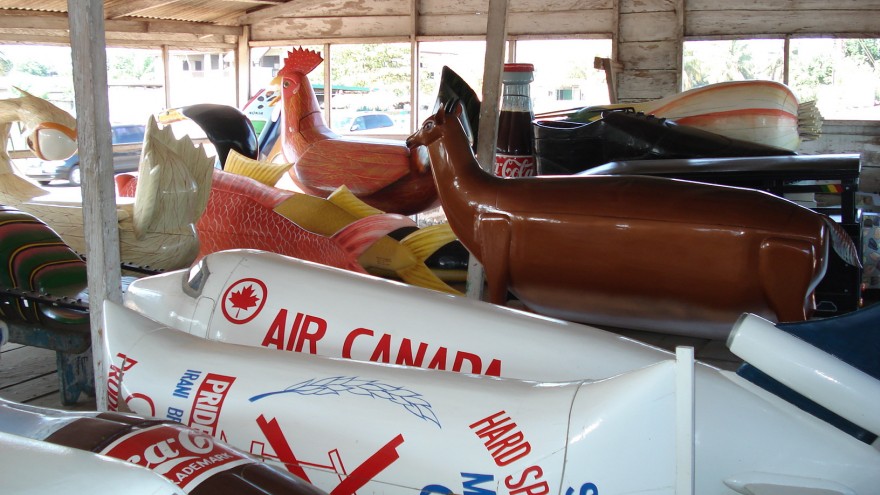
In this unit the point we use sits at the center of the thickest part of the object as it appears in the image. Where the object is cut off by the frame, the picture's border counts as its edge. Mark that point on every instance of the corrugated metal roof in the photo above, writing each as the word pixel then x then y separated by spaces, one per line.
pixel 219 12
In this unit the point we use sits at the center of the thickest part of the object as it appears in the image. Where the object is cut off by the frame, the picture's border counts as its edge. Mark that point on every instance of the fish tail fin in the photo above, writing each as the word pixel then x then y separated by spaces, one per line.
pixel 427 240
pixel 345 199
pixel 809 121
pixel 420 275
pixel 264 172
pixel 359 235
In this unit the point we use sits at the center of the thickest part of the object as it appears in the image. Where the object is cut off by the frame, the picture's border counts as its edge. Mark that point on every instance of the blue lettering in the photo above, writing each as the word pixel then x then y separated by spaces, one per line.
pixel 586 489
pixel 438 489
pixel 184 386
pixel 175 414
pixel 471 481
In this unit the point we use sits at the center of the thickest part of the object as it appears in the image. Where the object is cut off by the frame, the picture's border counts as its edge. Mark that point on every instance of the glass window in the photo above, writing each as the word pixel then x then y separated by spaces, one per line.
pixel 370 78
pixel 709 62
pixel 136 84
pixel 43 71
pixel 198 85
pixel 466 58
pixel 564 73
pixel 842 75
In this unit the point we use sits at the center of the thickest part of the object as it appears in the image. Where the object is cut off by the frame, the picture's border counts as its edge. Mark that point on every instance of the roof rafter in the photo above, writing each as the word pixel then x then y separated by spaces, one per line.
pixel 278 10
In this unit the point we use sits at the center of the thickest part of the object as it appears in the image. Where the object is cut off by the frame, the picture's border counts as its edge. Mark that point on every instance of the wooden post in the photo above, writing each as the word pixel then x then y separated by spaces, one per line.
pixel 88 52
pixel 679 43
pixel 166 68
pixel 414 64
pixel 328 88
pixel 493 66
pixel 243 68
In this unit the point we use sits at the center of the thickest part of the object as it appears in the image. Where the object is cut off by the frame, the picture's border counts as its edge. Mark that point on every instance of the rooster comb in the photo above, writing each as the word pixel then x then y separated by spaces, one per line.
pixel 301 60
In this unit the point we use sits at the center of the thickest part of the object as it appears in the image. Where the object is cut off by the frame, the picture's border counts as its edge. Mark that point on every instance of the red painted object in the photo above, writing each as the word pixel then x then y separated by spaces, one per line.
pixel 240 215
pixel 384 174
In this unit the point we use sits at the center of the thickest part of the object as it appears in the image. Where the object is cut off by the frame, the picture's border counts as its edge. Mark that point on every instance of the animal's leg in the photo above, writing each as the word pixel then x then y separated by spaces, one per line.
pixel 493 234
pixel 789 271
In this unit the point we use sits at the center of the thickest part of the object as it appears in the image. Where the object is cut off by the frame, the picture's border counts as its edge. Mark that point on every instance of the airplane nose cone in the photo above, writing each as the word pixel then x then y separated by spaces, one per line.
pixel 162 298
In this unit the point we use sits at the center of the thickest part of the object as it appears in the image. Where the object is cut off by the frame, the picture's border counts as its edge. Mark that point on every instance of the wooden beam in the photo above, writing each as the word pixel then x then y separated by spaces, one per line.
pixel 100 225
pixel 278 10
pixel 133 7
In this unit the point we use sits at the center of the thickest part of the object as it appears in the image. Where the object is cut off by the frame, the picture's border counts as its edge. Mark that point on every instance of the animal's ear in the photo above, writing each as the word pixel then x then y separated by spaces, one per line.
pixel 453 107
pixel 440 116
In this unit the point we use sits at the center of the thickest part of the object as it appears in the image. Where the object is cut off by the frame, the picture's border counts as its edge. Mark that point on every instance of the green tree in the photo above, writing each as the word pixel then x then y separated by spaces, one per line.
pixel 131 65
pixel 5 65
pixel 377 66
pixel 36 68
pixel 866 51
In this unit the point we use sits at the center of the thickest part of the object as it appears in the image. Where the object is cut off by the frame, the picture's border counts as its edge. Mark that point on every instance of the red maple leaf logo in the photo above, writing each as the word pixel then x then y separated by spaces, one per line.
pixel 244 299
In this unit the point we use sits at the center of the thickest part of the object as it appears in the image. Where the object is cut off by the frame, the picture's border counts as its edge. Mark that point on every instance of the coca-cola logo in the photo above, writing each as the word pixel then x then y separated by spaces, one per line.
pixel 184 456
pixel 515 166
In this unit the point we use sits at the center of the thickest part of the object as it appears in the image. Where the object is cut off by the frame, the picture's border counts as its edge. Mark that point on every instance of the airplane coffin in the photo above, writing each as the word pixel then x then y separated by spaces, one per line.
pixel 267 300
pixel 348 426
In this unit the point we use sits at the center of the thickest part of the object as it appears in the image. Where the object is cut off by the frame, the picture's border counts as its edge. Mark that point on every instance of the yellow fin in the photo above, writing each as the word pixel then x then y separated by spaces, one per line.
pixel 420 275
pixel 346 200
pixel 425 241
pixel 264 172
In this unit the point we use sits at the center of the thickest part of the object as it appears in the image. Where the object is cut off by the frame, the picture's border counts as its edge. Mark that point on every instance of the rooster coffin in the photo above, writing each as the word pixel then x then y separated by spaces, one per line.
pixel 633 252
pixel 350 426
pixel 383 173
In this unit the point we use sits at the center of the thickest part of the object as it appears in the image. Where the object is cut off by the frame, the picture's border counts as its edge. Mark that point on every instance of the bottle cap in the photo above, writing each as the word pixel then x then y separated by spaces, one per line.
pixel 519 68
pixel 518 73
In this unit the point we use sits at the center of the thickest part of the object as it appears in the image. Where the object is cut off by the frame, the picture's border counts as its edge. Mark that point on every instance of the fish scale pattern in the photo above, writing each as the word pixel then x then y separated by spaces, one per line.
pixel 239 215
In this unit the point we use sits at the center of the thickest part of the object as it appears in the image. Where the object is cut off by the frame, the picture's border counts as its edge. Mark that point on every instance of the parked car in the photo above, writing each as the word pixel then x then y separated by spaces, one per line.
pixel 69 170
pixel 370 121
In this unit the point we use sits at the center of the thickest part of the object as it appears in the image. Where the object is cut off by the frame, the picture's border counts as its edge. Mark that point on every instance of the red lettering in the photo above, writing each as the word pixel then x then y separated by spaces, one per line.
pixel 383 350
pixel 461 357
pixel 404 354
pixel 503 448
pixel 275 335
pixel 539 488
pixel 294 329
pixel 349 340
pixel 492 436
pixel 413 353
pixel 494 368
pixel 489 421
pixel 114 378
pixel 510 484
pixel 439 360
pixel 311 337
pixel 208 401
